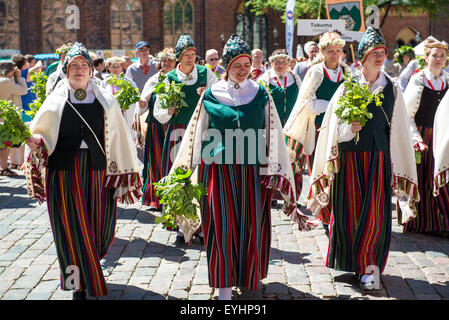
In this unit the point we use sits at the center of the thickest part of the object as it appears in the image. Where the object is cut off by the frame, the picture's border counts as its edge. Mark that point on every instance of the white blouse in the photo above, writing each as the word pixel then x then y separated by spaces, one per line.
pixel 438 84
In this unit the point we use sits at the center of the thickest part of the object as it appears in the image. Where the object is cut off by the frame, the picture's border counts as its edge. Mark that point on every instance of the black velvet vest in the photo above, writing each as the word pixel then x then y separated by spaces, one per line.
pixel 72 131
pixel 430 100
pixel 375 135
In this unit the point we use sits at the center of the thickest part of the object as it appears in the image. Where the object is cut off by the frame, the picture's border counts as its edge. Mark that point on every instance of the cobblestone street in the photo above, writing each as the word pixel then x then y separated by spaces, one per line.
pixel 144 262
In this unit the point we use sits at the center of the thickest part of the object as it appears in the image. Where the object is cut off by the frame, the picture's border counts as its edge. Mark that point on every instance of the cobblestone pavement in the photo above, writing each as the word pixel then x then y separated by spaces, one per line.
pixel 145 263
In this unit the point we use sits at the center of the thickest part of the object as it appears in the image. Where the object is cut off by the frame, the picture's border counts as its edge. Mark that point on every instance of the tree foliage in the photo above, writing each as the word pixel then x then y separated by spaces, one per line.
pixel 310 9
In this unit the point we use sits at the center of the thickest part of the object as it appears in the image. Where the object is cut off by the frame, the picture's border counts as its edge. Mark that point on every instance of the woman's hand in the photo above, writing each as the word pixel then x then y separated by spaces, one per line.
pixel 355 126
pixel 142 103
pixel 200 90
pixel 171 111
pixel 33 142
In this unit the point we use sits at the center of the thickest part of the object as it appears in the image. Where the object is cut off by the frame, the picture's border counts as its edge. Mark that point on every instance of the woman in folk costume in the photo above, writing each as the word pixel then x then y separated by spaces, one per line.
pixel 114 65
pixel 195 79
pixel 423 99
pixel 80 138
pixel 358 179
pixel 235 214
pixel 155 132
pixel 318 87
pixel 284 87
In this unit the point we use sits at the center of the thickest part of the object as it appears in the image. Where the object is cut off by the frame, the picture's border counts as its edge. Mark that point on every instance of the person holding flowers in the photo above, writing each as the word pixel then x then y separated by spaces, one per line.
pixel 12 87
pixel 238 177
pixel 113 82
pixel 284 87
pixel 319 85
pixel 423 98
pixel 80 137
pixel 155 132
pixel 190 81
pixel 357 176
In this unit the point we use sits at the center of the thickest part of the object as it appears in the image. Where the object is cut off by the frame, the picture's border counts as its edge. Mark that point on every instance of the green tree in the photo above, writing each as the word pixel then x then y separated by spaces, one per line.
pixel 310 9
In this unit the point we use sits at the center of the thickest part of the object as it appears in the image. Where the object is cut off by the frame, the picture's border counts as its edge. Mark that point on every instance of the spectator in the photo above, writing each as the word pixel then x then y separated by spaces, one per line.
pixel 12 86
pixel 257 68
pixel 311 49
pixel 57 75
pixel 99 67
pixel 212 62
pixel 127 62
pixel 144 69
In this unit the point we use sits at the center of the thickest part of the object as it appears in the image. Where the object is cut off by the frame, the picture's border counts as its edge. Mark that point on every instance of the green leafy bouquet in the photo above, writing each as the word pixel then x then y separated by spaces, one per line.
pixel 127 93
pixel 353 105
pixel 170 96
pixel 13 130
pixel 40 81
pixel 177 193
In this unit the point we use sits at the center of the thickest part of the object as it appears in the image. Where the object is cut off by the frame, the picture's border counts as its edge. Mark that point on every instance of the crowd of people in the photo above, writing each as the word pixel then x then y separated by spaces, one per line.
pixel 95 154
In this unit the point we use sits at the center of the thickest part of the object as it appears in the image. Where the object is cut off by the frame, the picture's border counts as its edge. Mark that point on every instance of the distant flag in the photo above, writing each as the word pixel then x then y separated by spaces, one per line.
pixel 349 10
pixel 289 26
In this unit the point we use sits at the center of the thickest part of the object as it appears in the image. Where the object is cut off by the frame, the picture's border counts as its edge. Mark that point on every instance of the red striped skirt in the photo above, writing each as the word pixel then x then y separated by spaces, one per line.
pixel 83 217
pixel 433 212
pixel 236 224
pixel 152 170
pixel 360 226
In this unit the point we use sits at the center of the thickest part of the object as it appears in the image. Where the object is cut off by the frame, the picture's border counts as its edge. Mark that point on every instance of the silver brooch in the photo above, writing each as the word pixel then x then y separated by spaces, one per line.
pixel 237 86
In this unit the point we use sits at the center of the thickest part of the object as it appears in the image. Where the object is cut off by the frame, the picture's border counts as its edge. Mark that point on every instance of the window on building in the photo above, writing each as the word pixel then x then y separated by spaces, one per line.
pixel 126 24
pixel 252 28
pixel 54 29
pixel 9 25
pixel 178 19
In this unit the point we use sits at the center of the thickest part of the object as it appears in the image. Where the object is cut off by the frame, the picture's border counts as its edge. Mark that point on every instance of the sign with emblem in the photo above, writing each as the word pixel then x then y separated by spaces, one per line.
pixel 351 11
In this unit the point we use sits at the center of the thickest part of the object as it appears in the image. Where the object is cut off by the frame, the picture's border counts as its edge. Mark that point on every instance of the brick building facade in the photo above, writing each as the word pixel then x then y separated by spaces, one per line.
pixel 209 20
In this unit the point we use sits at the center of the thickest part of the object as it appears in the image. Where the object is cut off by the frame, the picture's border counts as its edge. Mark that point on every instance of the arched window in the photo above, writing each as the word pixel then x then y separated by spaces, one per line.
pixel 9 25
pixel 126 23
pixel 406 36
pixel 54 26
pixel 178 19
pixel 252 28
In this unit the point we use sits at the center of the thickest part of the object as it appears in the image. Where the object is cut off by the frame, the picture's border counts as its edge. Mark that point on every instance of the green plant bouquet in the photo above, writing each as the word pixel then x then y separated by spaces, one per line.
pixel 13 130
pixel 170 96
pixel 179 196
pixel 40 81
pixel 353 105
pixel 127 93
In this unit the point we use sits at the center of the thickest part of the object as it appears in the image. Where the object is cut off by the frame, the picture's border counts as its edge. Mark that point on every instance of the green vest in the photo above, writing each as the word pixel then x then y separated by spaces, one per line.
pixel 191 98
pixel 284 101
pixel 375 134
pixel 325 92
pixel 246 143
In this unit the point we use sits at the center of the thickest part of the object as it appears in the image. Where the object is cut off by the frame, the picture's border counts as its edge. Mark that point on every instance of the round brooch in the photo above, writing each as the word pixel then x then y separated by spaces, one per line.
pixel 80 94
pixel 237 86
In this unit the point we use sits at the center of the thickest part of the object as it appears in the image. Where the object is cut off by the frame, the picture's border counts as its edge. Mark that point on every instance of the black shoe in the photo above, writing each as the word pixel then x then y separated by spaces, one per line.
pixel 274 203
pixel 180 239
pixel 201 239
pixel 79 295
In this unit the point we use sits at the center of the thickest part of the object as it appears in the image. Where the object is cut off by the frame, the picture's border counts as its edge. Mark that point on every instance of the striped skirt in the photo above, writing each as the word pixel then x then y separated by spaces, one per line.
pixel 152 170
pixel 172 142
pixel 360 226
pixel 83 216
pixel 433 212
pixel 236 224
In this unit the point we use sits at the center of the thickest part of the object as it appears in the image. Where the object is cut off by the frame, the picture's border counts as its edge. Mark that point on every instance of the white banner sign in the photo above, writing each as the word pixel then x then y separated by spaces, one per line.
pixel 350 36
pixel 312 27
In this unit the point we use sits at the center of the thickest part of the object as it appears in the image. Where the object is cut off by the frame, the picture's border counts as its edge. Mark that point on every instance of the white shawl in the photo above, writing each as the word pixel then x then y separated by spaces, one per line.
pixel 326 164
pixel 441 145
pixel 278 172
pixel 300 126
pixel 122 165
